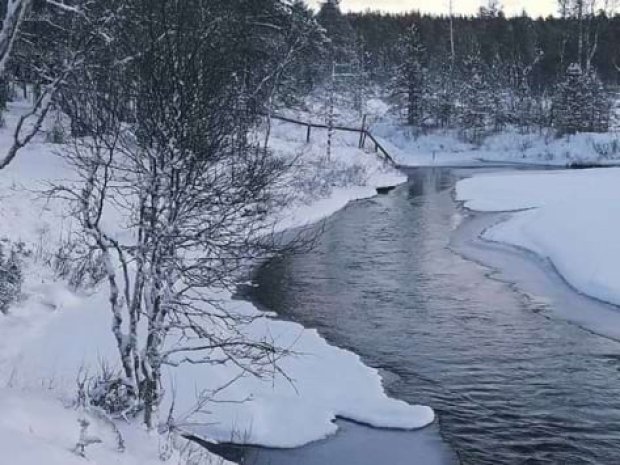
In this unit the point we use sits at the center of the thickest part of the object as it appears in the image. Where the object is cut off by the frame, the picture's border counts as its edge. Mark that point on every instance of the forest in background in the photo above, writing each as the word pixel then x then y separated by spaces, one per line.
pixel 485 73
pixel 517 40
pixel 480 74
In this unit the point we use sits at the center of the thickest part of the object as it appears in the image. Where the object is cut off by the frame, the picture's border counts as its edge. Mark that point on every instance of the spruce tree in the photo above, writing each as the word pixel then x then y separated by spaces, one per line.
pixel 601 105
pixel 580 103
pixel 411 83
pixel 476 101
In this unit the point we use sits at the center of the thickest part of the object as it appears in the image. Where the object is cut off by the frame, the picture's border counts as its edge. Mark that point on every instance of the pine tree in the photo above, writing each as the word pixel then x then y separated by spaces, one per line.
pixel 441 98
pixel 499 90
pixel 601 104
pixel 305 69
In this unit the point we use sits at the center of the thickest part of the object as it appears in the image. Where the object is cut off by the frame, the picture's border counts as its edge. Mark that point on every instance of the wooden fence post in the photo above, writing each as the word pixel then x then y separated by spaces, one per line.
pixel 361 144
pixel 308 134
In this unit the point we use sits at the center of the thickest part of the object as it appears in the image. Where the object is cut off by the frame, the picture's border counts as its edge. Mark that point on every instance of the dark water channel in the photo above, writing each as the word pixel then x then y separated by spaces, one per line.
pixel 509 384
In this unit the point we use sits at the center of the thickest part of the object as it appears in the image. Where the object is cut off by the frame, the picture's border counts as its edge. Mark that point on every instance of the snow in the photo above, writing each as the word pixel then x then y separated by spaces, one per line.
pixel 327 382
pixel 411 148
pixel 570 218
pixel 54 333
pixel 38 429
pixel 362 172
pixel 443 147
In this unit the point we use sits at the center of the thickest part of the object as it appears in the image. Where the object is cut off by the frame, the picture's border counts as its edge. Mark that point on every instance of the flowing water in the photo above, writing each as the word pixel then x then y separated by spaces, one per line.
pixel 510 384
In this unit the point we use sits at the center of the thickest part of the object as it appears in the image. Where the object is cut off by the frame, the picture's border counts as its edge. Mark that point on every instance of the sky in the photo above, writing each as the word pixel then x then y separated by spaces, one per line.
pixel 511 7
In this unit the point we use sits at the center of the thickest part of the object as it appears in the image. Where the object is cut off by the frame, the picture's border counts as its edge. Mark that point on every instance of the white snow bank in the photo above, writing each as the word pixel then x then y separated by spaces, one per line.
pixel 326 382
pixel 38 430
pixel 352 174
pixel 443 147
pixel 53 334
pixel 573 219
pixel 411 148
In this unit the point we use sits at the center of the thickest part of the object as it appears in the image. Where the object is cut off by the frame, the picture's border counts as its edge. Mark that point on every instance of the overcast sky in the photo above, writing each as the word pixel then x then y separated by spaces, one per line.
pixel 533 7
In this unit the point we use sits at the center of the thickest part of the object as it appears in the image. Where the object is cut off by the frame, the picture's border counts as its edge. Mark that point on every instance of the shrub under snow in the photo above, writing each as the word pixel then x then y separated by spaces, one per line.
pixel 10 274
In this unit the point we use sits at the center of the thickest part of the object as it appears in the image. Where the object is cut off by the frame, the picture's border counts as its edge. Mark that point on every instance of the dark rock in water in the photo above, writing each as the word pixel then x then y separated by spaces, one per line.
pixel 385 190
pixel 579 165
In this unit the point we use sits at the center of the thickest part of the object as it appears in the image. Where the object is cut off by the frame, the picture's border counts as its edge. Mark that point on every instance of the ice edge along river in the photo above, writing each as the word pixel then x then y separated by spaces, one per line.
pixel 534 276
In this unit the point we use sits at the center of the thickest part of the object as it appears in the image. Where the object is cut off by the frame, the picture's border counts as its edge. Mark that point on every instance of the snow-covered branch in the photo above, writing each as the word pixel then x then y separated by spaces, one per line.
pixel 16 12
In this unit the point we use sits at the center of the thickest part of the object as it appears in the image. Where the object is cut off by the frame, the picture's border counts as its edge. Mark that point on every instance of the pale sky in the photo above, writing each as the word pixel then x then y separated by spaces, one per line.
pixel 511 7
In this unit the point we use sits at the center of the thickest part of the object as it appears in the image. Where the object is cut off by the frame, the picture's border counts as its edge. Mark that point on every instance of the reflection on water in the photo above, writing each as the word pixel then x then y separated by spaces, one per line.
pixel 510 386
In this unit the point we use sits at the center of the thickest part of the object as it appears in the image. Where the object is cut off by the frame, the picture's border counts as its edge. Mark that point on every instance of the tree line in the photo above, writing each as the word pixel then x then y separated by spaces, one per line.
pixel 483 73
pixel 494 36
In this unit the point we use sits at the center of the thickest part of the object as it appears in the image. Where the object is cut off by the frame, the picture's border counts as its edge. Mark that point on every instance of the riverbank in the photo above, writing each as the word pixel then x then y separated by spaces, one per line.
pixel 534 278
pixel 412 147
pixel 55 332
pixel 568 221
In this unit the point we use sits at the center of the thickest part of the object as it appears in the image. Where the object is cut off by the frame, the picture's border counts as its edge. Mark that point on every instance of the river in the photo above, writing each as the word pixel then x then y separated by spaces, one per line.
pixel 510 382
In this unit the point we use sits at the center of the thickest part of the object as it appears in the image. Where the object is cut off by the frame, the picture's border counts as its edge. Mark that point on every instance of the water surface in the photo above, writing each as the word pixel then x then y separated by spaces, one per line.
pixel 510 384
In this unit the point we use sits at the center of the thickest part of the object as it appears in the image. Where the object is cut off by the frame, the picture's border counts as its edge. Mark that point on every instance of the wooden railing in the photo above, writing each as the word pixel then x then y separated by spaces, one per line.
pixel 363 132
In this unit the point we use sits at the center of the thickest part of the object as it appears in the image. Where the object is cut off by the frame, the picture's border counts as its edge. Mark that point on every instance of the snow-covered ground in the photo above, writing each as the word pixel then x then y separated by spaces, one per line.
pixel 351 173
pixel 411 146
pixel 569 218
pixel 510 146
pixel 35 428
pixel 54 333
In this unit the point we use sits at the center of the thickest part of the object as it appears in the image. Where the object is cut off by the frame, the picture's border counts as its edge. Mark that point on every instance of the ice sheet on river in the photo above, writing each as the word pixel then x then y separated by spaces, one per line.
pixel 570 218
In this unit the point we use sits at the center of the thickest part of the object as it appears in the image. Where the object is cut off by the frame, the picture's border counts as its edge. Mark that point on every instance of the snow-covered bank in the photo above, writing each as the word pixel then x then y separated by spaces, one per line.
pixel 327 186
pixel 445 147
pixel 53 333
pixel 36 429
pixel 567 217
pixel 544 290
pixel 325 382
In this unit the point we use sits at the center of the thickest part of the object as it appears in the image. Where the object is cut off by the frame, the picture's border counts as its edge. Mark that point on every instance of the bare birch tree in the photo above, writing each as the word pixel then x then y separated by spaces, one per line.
pixel 51 77
pixel 178 171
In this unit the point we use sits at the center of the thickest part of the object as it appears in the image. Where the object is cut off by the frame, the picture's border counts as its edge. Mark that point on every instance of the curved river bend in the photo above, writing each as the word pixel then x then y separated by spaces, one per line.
pixel 510 384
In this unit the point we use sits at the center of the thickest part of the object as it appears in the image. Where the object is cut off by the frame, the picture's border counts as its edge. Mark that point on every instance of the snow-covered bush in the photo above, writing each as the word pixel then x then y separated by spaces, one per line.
pixel 607 150
pixel 106 391
pixel 80 266
pixel 11 277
